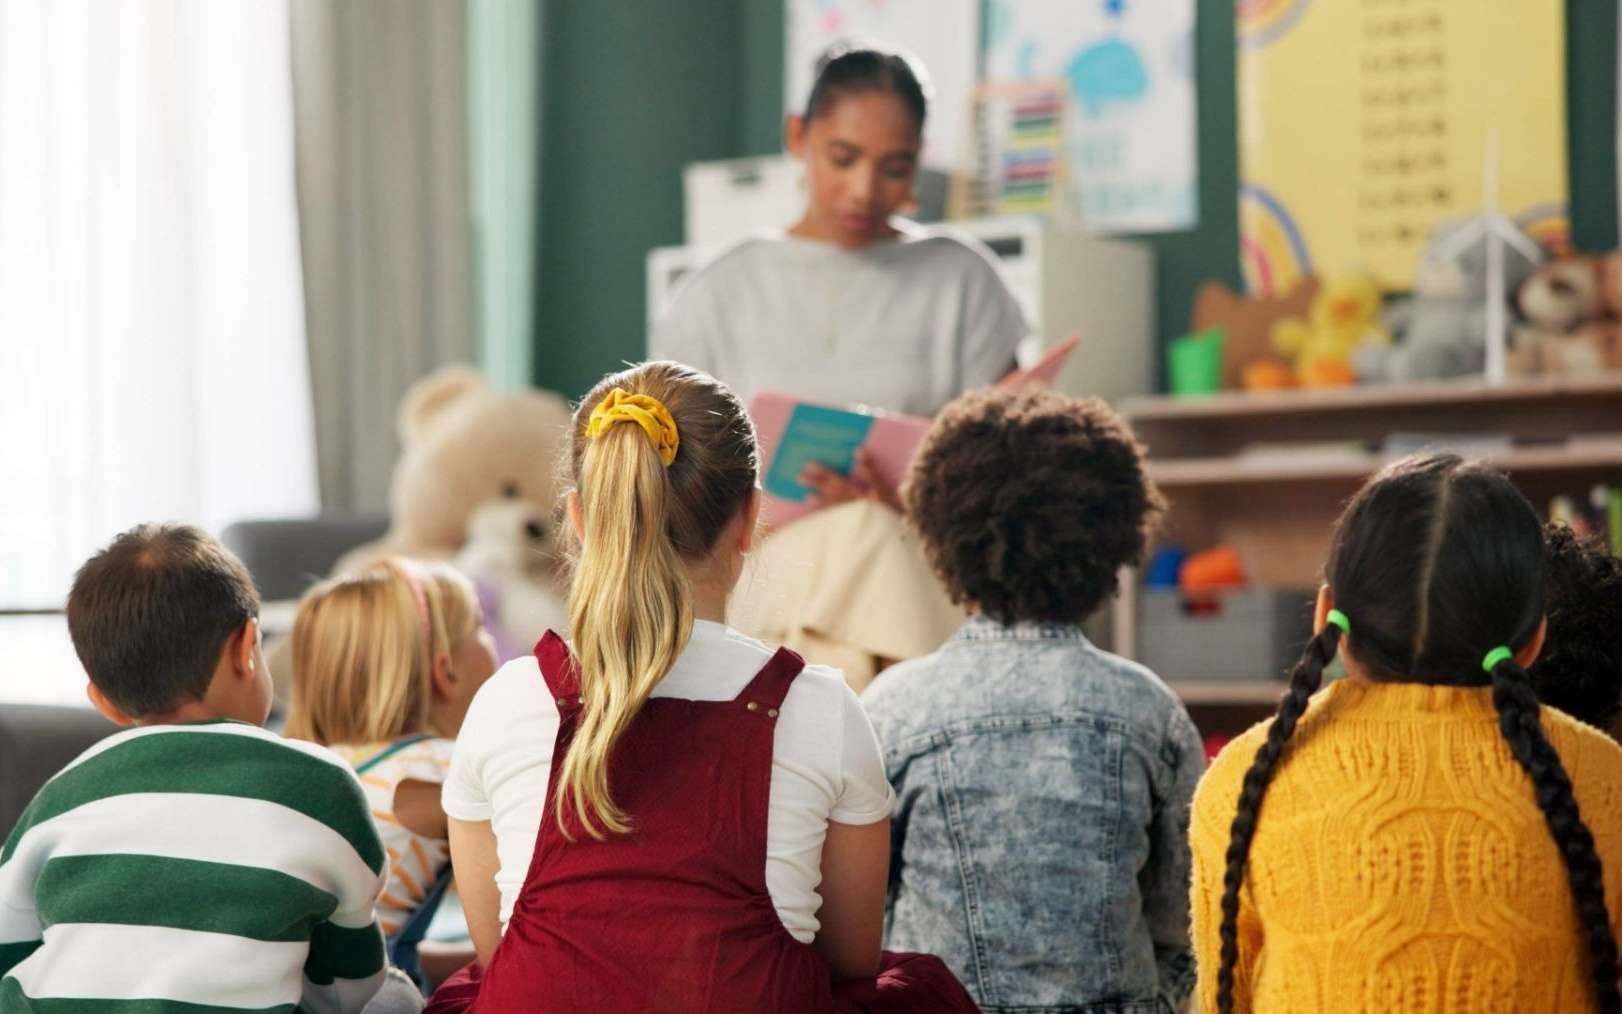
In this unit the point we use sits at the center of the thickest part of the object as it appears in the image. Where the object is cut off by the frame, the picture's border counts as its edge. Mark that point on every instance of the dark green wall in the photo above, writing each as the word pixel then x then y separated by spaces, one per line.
pixel 1591 121
pixel 664 89
pixel 631 91
pixel 760 131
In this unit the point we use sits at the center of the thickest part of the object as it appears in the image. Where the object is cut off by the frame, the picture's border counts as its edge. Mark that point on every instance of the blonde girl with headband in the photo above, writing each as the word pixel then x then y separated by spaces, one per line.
pixel 385 664
pixel 663 814
pixel 1421 835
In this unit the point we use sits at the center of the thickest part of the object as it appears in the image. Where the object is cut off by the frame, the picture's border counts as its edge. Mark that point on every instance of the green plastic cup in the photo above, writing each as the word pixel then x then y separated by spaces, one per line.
pixel 1196 362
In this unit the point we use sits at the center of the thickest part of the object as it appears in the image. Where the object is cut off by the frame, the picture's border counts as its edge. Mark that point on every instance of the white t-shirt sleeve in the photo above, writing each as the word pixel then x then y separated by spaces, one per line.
pixel 463 795
pixel 993 326
pixel 865 796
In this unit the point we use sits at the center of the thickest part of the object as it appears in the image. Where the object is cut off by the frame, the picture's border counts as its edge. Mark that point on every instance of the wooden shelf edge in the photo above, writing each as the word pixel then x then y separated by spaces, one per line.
pixel 1230 471
pixel 1228 691
pixel 1239 404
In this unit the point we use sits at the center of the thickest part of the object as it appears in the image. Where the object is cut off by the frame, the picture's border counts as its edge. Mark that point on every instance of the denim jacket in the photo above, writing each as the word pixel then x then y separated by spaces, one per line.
pixel 1040 838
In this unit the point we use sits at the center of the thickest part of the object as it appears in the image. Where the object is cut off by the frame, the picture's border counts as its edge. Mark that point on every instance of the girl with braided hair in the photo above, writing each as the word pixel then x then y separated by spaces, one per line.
pixel 1421 835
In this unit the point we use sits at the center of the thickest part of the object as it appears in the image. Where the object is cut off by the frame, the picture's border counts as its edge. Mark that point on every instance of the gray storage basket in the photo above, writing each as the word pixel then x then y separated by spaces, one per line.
pixel 1241 634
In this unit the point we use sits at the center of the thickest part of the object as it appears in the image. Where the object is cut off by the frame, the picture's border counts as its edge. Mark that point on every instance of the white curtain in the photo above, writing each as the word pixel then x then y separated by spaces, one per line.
pixel 152 356
pixel 380 107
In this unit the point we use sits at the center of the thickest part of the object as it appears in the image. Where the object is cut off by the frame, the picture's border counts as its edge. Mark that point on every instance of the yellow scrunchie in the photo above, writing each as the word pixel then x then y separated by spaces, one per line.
pixel 644 410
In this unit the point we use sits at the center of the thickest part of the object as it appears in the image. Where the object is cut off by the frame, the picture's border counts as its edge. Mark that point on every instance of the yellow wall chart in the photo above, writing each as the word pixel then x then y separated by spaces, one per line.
pixel 1364 122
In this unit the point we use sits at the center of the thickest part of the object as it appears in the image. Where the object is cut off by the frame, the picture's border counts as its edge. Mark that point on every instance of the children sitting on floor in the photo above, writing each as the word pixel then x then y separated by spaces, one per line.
pixel 195 860
pixel 1579 669
pixel 1040 836
pixel 385 664
pixel 1410 838
pixel 664 814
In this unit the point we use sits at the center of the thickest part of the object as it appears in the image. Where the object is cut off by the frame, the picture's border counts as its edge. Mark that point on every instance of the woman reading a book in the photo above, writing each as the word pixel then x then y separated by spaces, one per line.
pixel 852 304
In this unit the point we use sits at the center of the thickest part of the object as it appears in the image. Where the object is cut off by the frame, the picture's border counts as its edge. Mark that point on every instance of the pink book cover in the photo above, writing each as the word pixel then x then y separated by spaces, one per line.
pixel 793 432
pixel 1046 370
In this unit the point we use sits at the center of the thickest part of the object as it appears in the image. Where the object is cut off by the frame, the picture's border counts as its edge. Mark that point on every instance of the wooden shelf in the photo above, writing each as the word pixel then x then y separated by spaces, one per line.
pixel 1265 473
pixel 1460 392
pixel 1228 691
pixel 1236 470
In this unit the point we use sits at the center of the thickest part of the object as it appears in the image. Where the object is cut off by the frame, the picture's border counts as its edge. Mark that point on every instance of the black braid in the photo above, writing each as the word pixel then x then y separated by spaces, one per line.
pixel 1305 679
pixel 1517 708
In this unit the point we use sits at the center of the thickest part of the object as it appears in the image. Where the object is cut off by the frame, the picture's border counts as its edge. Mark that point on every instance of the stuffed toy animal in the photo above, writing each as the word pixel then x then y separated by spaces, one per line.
pixel 509 556
pixel 1344 315
pixel 479 475
pixel 1573 312
pixel 1442 328
pixel 1247 324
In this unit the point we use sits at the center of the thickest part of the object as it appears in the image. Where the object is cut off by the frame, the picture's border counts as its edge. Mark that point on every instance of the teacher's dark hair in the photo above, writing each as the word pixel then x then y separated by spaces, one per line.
pixel 1436 562
pixel 851 68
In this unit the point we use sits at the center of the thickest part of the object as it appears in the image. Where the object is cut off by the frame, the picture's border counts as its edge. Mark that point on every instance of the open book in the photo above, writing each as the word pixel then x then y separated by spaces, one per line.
pixel 794 433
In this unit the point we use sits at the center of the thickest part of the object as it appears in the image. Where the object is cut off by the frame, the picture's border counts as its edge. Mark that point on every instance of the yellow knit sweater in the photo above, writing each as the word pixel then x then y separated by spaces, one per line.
pixel 1401 863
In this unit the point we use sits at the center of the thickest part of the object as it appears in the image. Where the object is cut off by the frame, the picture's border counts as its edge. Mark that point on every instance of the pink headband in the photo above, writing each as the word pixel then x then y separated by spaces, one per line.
pixel 419 593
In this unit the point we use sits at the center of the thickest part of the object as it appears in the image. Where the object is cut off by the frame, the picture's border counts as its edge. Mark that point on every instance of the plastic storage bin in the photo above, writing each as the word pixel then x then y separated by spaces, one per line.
pixel 1245 633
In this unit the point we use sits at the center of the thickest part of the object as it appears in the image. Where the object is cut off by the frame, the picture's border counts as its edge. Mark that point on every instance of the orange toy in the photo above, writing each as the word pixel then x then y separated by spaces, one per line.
pixel 1211 570
pixel 1328 373
pixel 1267 375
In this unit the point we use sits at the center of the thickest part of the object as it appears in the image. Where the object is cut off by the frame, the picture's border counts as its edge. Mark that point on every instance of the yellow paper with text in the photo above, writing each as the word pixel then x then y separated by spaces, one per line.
pixel 1364 122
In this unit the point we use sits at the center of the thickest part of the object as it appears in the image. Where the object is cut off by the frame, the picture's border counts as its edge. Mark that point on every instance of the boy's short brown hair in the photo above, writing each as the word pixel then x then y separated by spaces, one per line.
pixel 1029 502
pixel 150 613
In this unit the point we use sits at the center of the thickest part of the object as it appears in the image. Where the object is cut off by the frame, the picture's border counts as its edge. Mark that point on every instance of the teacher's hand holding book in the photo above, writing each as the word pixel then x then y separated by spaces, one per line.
pixel 829 488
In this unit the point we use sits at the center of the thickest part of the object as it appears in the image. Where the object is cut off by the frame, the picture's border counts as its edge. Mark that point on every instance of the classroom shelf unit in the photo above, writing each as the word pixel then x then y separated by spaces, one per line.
pixel 1553 435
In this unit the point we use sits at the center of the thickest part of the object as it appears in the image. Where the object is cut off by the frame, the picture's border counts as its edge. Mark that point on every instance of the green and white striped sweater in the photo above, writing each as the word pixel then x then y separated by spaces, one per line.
pixel 193 868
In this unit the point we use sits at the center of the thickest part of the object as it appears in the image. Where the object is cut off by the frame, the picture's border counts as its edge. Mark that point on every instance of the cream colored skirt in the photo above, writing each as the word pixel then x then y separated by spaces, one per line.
pixel 847 587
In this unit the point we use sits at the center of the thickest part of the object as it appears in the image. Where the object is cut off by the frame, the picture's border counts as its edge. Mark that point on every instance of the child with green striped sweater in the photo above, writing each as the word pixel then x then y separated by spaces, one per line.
pixel 193 861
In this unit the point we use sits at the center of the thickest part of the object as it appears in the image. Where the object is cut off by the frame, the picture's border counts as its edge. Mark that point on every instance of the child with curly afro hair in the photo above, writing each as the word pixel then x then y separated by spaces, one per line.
pixel 1580 668
pixel 1039 843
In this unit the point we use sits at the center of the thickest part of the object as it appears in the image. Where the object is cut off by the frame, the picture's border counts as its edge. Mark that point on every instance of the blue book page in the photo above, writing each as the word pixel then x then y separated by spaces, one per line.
pixel 827 436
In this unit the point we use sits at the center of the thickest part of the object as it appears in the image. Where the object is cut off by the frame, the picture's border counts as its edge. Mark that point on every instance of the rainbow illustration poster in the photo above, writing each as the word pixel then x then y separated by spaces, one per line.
pixel 1362 123
pixel 1129 146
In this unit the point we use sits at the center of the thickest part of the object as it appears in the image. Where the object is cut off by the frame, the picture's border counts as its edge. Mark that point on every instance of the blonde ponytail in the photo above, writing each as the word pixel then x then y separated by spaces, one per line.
pixel 649 513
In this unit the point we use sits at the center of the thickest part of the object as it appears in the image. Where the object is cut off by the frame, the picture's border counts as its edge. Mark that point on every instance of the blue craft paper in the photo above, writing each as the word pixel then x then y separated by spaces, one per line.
pixel 828 436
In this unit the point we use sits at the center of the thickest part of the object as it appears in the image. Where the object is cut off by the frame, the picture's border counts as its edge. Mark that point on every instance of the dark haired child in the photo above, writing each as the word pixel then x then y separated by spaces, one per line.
pixel 1579 670
pixel 1421 835
pixel 194 861
pixel 1039 842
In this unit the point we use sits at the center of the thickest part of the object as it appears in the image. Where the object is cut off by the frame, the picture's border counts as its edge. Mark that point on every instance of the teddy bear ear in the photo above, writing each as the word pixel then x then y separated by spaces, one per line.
pixel 430 396
pixel 1214 304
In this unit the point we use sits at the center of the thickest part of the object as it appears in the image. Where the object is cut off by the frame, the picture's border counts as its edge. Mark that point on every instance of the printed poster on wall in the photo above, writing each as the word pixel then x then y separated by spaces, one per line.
pixel 943 34
pixel 1130 154
pixel 1362 123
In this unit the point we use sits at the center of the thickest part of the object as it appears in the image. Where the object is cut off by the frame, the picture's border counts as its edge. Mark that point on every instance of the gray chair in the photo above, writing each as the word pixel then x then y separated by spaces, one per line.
pixel 286 557
pixel 37 741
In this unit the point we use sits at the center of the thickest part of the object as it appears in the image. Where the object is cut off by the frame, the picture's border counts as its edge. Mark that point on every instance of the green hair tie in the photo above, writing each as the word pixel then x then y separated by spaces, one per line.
pixel 1339 619
pixel 1496 656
